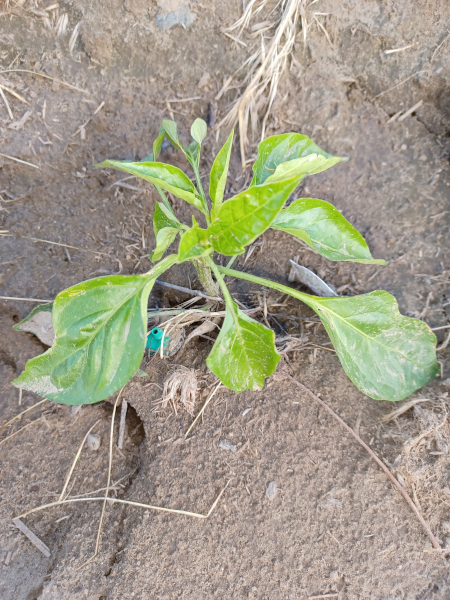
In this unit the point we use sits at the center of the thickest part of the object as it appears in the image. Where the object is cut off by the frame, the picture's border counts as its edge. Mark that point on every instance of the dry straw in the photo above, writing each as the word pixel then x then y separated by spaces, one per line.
pixel 265 67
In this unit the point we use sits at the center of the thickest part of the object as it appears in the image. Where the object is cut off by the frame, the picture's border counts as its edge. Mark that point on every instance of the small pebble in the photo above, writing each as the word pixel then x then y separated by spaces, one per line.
pixel 93 441
pixel 226 445
pixel 271 490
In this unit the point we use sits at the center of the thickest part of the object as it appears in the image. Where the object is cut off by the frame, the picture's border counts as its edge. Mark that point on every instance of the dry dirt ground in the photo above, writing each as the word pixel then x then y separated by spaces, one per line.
pixel 336 527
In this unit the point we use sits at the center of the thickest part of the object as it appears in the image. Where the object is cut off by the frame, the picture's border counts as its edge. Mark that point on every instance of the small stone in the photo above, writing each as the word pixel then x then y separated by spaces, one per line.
pixel 271 490
pixel 226 445
pixel 93 441
pixel 403 147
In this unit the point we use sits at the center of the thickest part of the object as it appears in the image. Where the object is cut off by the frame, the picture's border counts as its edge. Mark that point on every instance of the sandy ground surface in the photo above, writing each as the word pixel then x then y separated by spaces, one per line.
pixel 336 525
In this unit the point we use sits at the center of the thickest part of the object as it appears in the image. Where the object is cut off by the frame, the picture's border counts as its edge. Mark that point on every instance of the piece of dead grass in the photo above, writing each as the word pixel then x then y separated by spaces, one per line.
pixel 180 388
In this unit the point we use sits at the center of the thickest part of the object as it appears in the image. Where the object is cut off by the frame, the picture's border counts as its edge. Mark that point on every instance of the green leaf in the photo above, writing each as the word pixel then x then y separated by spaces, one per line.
pixel 306 165
pixel 170 128
pixel 320 225
pixel 194 243
pixel 199 130
pixel 244 353
pixel 219 173
pixel 386 355
pixel 157 144
pixel 245 217
pixel 167 177
pixel 278 149
pixel 163 218
pixel 164 238
pixel 101 329
pixel 192 153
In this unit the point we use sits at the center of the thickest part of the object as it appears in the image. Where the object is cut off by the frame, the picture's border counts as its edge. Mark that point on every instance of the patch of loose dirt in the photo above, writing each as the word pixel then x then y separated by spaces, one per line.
pixel 335 525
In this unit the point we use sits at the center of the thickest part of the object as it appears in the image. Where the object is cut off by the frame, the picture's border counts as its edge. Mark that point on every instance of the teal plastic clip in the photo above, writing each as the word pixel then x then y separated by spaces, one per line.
pixel 154 340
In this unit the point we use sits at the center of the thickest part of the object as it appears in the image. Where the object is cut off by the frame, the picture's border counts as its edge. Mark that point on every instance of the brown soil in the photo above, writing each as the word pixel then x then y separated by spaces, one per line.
pixel 336 524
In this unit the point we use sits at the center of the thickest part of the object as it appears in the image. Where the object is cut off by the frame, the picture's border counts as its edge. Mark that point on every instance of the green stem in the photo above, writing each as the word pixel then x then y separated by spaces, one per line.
pixel 311 301
pixel 202 193
pixel 162 266
pixel 204 274
pixel 226 294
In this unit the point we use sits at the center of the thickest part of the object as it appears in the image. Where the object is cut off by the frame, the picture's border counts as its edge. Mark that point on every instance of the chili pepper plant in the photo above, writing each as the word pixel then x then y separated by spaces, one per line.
pixel 100 325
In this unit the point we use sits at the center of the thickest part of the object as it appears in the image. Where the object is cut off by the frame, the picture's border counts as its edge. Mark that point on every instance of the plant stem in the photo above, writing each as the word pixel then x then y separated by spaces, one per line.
pixel 205 275
pixel 202 193
pixel 220 281
pixel 306 298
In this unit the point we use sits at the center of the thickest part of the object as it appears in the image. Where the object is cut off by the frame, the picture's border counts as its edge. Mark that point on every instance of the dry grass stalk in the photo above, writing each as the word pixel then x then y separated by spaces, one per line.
pixel 75 460
pixel 30 407
pixel 129 503
pixel 261 90
pixel 264 68
pixel 181 387
pixel 5 100
pixel 402 409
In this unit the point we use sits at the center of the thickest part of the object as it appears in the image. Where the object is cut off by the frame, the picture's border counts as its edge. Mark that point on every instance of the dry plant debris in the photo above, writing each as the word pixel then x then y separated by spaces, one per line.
pixel 180 388
pixel 265 67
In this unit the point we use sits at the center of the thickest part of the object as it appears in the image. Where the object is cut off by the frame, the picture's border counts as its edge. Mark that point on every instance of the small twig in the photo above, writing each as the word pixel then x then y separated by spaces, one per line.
pixel 399 84
pixel 187 290
pixel 5 100
pixel 203 408
pixel 183 99
pixel 130 503
pixel 380 463
pixel 13 93
pixel 444 344
pixel 440 46
pixel 75 460
pixel 23 162
pixel 410 111
pixel 394 50
pixel 63 245
pixel 123 417
pixel 32 537
pixel 25 299
pixel 19 430
pixel 108 483
pixel 23 412
pixel 69 85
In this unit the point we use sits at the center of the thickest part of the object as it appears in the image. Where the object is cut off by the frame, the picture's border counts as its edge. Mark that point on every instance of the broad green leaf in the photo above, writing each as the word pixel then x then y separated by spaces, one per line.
pixel 164 238
pixel 167 177
pixel 244 353
pixel 163 218
pixel 100 327
pixel 219 173
pixel 199 130
pixel 245 217
pixel 320 225
pixel 306 165
pixel 386 355
pixel 194 243
pixel 278 149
